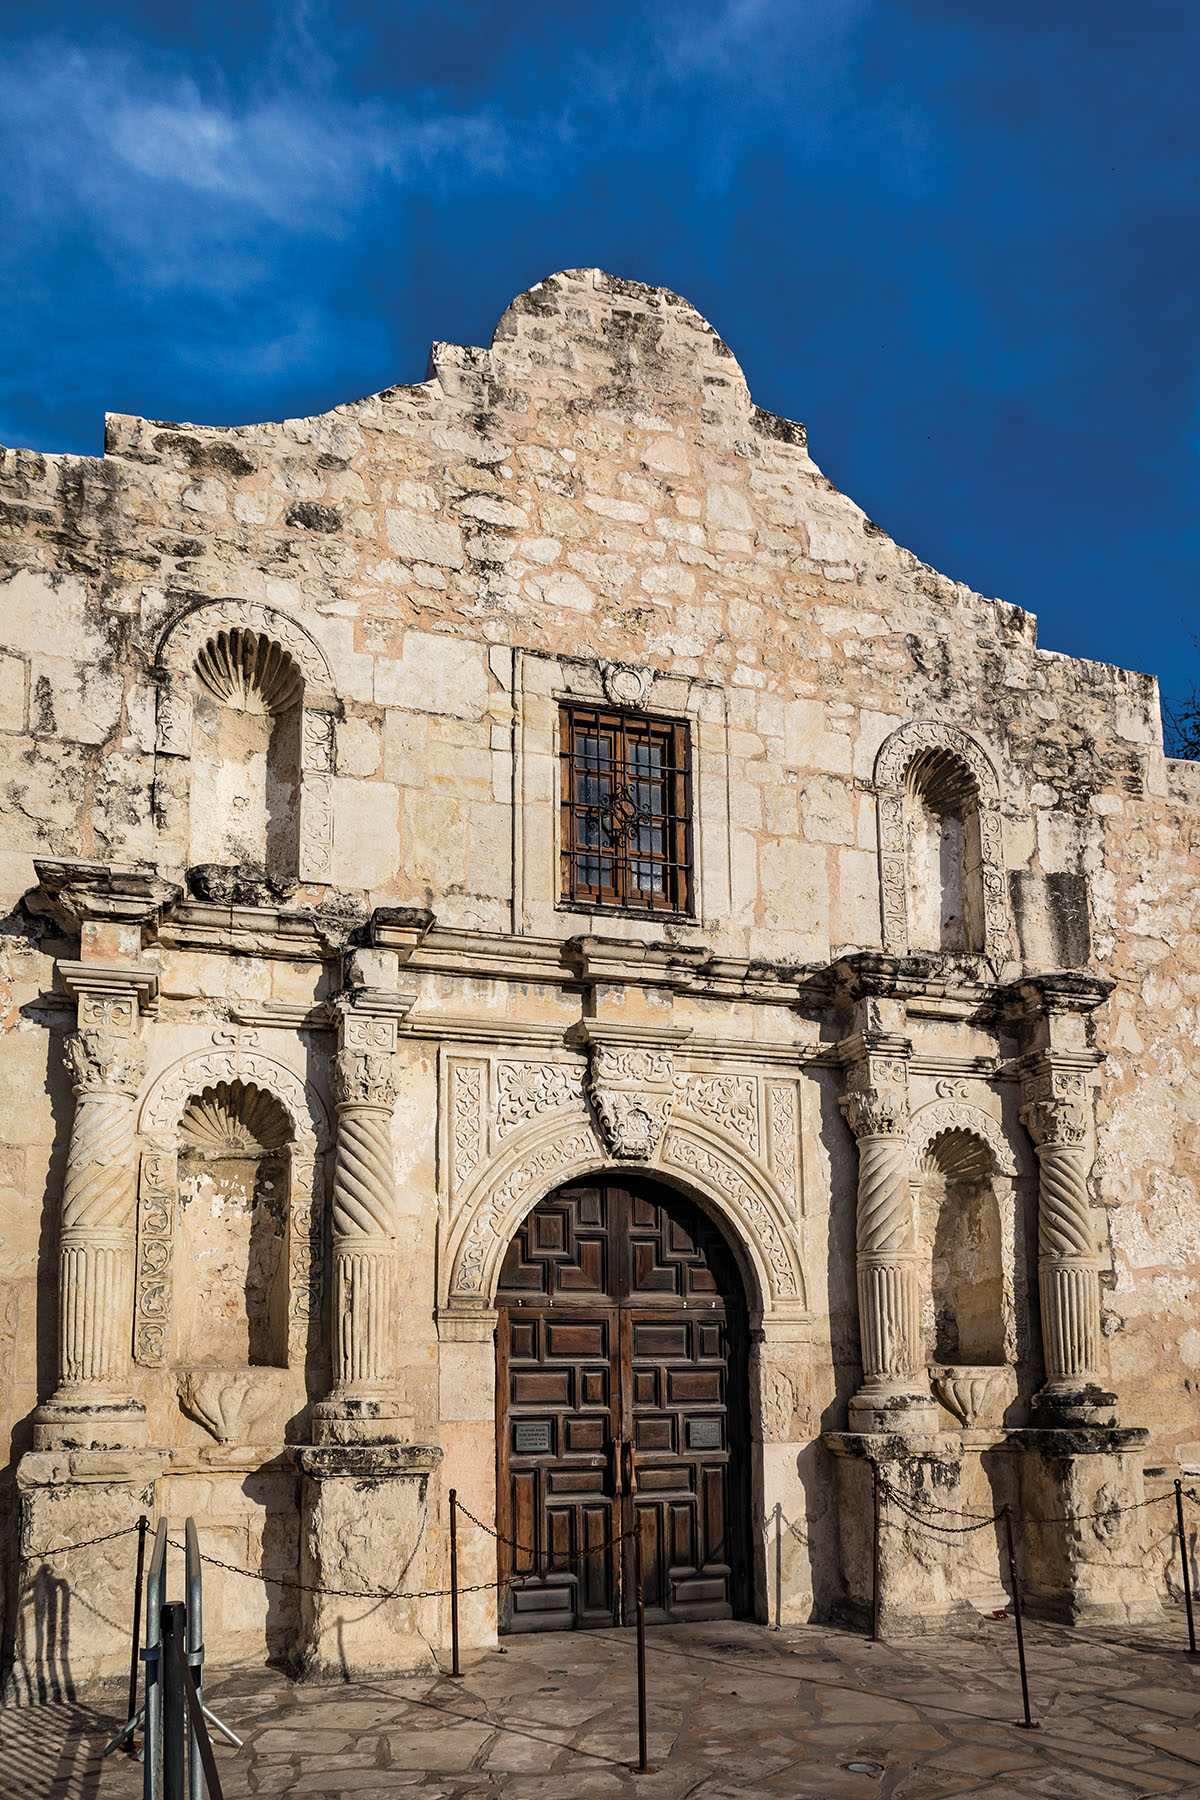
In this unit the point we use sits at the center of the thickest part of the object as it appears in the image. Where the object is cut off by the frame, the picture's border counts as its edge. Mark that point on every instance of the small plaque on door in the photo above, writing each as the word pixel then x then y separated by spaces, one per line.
pixel 532 1437
pixel 704 1434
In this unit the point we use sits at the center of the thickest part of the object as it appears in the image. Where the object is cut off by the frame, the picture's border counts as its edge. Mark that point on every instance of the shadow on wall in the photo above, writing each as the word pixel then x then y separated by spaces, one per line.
pixel 42 1297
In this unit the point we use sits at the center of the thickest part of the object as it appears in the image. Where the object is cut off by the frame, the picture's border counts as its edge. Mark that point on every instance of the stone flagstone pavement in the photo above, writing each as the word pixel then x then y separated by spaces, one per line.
pixel 735 1710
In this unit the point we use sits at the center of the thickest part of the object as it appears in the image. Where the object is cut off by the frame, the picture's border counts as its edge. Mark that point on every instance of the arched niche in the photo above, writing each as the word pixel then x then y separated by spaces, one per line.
pixel 941 851
pixel 232 1146
pixel 231 1298
pixel 246 699
pixel 961 1247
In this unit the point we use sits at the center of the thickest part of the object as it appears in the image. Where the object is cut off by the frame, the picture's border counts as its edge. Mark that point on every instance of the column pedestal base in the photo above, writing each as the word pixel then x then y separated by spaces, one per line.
pixel 1093 1571
pixel 1068 1404
pixel 919 1585
pixel 890 1407
pixel 75 1610
pixel 89 1419
pixel 349 1418
pixel 364 1523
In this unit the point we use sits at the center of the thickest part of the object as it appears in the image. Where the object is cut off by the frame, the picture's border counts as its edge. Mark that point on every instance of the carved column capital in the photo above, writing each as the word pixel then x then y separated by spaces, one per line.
pixel 1055 1121
pixel 365 1078
pixel 105 1062
pixel 875 1112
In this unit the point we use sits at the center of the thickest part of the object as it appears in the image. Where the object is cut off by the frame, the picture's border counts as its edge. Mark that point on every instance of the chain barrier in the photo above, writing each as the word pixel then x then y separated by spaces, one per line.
pixel 527 1549
pixel 108 1537
pixel 909 1508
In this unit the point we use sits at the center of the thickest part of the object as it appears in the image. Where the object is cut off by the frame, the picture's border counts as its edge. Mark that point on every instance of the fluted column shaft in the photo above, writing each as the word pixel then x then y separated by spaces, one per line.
pixel 364 1223
pixel 1068 1259
pixel 96 1240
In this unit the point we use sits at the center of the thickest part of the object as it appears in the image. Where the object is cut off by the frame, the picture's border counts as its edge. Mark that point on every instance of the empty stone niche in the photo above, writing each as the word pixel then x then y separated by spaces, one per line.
pixel 247 729
pixel 944 854
pixel 964 1299
pixel 231 1286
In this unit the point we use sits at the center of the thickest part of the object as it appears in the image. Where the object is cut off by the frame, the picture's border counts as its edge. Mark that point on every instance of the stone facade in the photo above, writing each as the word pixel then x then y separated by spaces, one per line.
pixel 299 1026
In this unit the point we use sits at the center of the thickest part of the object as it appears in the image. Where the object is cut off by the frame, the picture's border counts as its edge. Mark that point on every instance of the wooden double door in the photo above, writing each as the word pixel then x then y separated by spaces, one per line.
pixel 621 1407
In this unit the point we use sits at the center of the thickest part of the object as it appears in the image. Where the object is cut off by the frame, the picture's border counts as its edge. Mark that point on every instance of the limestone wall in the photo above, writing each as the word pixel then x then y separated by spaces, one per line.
pixel 591 508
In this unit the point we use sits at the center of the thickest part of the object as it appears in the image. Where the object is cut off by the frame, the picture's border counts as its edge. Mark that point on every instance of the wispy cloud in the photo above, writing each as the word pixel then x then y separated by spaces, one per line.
pixel 148 157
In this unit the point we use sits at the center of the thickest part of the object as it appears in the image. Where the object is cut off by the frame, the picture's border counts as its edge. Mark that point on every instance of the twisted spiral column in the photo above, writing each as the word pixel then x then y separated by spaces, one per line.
pixel 96 1240
pixel 1068 1264
pixel 364 1222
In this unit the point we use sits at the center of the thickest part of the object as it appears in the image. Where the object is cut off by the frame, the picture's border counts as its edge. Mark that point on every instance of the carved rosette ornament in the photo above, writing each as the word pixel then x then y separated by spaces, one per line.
pixel 97 1226
pixel 875 1106
pixel 632 1090
pixel 364 1220
pixel 1055 1114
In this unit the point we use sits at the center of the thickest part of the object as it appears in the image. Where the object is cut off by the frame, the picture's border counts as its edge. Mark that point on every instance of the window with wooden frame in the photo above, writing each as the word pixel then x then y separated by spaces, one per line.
pixel 626 811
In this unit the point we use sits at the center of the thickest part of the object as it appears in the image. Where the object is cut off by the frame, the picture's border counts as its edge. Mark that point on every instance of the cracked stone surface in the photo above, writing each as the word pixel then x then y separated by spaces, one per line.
pixel 734 1710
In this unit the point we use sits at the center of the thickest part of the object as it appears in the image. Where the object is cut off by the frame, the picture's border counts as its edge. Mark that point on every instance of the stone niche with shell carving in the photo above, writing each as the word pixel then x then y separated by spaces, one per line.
pixel 247 729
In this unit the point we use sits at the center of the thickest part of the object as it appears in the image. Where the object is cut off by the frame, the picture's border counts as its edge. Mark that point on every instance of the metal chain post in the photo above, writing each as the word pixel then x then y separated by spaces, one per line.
pixel 875 1558
pixel 1016 1594
pixel 454 1668
pixel 643 1766
pixel 1187 1573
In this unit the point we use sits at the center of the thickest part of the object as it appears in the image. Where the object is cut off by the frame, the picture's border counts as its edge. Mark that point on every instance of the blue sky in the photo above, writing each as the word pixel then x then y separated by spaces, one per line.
pixel 958 238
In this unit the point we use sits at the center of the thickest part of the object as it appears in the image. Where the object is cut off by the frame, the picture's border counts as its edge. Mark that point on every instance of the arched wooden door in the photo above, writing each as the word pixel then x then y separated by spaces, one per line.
pixel 621 1405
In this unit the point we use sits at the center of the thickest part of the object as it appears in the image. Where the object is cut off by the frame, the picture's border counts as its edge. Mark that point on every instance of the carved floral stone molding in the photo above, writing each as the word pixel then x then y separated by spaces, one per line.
pixel 105 1061
pixel 486 1101
pixel 626 685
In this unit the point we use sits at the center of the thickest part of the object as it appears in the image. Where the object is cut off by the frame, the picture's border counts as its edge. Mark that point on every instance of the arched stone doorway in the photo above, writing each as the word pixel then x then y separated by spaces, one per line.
pixel 622 1405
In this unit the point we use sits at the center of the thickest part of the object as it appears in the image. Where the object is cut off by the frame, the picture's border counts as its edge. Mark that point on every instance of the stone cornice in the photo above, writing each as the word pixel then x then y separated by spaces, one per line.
pixel 75 890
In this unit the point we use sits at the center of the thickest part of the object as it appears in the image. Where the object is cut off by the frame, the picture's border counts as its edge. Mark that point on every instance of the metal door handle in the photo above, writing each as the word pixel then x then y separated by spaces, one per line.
pixel 628 1469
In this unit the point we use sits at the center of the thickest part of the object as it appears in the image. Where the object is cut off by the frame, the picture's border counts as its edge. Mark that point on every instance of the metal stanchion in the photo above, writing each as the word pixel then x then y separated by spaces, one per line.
pixel 875 1560
pixel 1027 1723
pixel 1187 1573
pixel 454 1668
pixel 643 1766
pixel 134 1658
pixel 175 1719
pixel 199 1713
pixel 137 1714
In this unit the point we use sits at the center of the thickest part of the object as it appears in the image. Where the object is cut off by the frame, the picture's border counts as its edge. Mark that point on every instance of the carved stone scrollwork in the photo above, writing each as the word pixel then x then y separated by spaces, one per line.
pixel 781 1128
pixel 632 1090
pixel 625 685
pixel 466 1090
pixel 104 1061
pixel 730 1101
